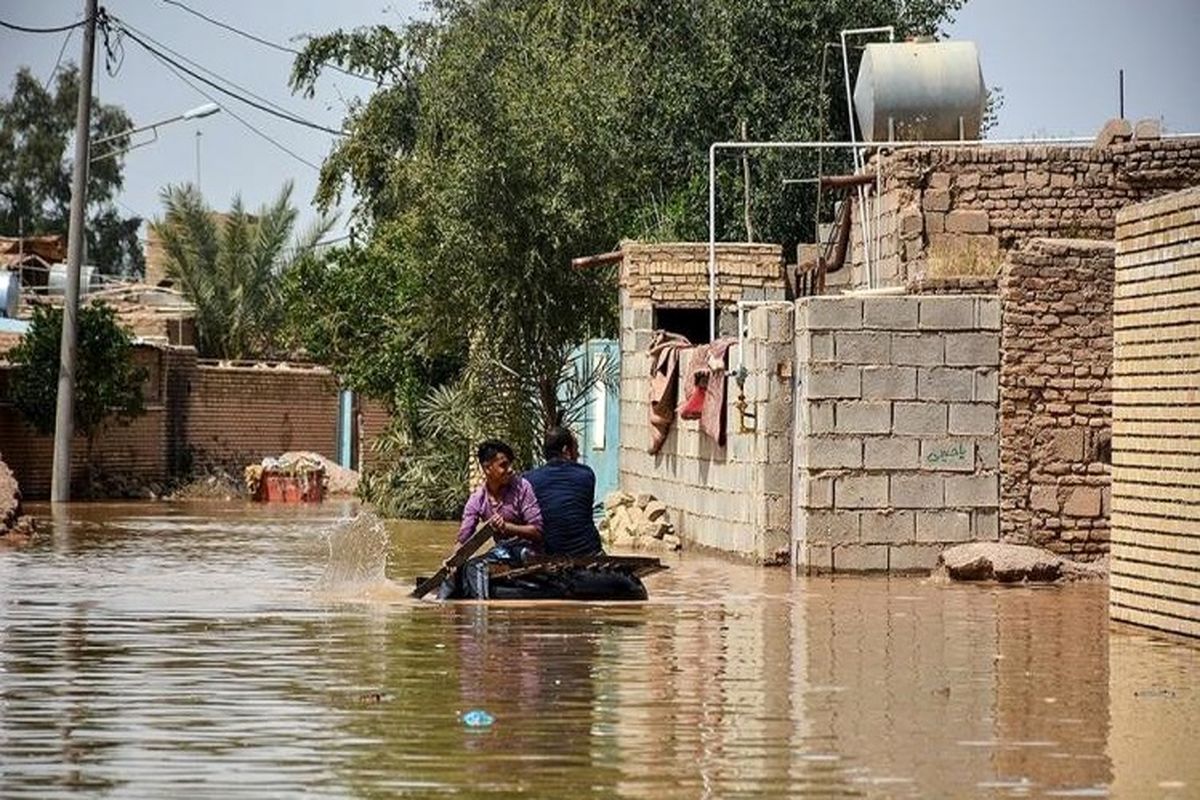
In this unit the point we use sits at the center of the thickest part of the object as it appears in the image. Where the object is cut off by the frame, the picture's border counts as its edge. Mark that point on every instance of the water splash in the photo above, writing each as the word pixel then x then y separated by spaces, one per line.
pixel 358 555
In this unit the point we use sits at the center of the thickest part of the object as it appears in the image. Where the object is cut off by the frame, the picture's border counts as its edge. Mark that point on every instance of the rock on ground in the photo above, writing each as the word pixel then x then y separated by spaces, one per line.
pixel 15 528
pixel 1012 563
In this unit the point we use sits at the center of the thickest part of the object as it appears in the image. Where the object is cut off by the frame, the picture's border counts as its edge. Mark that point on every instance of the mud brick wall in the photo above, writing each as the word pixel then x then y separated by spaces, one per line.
pixel 676 274
pixel 237 415
pixel 1155 578
pixel 953 210
pixel 1055 395
pixel 896 418
pixel 737 498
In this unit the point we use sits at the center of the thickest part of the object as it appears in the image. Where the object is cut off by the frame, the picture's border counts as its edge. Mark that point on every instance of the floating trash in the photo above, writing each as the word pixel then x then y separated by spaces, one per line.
pixel 477 718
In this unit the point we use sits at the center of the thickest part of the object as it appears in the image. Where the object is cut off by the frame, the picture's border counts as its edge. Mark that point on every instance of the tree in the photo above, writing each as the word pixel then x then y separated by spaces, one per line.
pixel 107 382
pixel 231 267
pixel 36 128
pixel 508 137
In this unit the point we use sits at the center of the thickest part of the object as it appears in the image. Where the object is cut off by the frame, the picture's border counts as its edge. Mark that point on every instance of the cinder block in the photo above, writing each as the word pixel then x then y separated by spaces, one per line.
pixel 833 452
pixel 887 527
pixel 890 313
pixel 889 383
pixel 943 526
pixel 947 313
pixel 987 388
pixel 972 419
pixel 817 559
pixel 856 416
pixel 989 313
pixel 834 313
pixel 824 526
pixel 1083 501
pixel 821 346
pixel 945 383
pixel 918 349
pixel 860 491
pixel 916 491
pixel 861 347
pixel 948 454
pixel 985 526
pixel 815 491
pixel 829 381
pixel 987 454
pixel 919 419
pixel 860 558
pixel 892 452
pixel 913 557
pixel 972 349
pixel 817 417
pixel 973 491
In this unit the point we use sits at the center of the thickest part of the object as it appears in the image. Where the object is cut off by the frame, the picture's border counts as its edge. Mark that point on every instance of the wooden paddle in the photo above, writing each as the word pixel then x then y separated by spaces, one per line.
pixel 456 560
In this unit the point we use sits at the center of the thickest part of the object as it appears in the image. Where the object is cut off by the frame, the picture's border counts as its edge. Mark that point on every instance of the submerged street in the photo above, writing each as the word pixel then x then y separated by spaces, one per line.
pixel 226 650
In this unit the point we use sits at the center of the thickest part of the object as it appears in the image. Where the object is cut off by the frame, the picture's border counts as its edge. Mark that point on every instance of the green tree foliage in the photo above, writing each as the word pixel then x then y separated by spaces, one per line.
pixel 107 382
pixel 231 267
pixel 36 129
pixel 508 137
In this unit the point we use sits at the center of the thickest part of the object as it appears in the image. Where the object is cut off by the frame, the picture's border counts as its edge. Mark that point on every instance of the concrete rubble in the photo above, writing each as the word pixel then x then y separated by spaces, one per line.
pixel 637 522
pixel 1013 563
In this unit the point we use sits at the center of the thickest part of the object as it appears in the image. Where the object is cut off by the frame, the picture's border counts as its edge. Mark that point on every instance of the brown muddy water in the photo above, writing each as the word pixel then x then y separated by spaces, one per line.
pixel 216 650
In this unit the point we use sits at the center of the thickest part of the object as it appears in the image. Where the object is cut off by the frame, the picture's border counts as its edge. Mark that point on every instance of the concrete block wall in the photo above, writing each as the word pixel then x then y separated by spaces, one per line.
pixel 944 210
pixel 737 498
pixel 1055 395
pixel 1155 576
pixel 896 452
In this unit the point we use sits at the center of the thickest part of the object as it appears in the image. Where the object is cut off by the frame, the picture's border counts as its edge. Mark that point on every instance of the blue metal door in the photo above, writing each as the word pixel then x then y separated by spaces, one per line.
pixel 598 442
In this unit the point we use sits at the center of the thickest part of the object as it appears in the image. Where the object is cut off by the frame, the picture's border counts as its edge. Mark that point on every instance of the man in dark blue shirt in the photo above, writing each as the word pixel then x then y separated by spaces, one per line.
pixel 565 491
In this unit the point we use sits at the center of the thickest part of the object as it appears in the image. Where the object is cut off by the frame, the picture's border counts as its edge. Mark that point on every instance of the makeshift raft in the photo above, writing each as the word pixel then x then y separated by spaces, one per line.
pixel 595 578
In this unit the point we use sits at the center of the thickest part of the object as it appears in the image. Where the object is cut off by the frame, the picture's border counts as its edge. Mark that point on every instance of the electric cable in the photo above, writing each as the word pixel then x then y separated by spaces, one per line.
pixel 26 29
pixel 241 98
pixel 267 42
pixel 58 61
pixel 250 127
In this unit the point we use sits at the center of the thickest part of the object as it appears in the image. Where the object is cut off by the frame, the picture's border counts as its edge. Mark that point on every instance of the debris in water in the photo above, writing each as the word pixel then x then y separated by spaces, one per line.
pixel 477 718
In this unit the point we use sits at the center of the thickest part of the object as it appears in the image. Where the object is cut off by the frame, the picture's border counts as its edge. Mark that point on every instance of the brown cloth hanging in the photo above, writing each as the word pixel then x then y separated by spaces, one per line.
pixel 664 384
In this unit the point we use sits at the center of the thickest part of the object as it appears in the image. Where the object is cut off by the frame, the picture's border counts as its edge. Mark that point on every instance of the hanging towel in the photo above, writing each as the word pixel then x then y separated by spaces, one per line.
pixel 664 384
pixel 712 416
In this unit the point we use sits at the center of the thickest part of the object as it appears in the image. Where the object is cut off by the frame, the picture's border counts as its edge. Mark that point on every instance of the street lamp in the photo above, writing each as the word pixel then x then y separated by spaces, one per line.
pixel 206 110
pixel 64 412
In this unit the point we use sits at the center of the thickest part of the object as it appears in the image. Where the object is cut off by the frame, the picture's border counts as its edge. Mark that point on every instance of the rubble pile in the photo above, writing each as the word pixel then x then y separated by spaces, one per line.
pixel 637 522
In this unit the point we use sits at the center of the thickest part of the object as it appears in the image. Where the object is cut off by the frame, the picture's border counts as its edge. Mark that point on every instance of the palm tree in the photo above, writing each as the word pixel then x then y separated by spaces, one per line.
pixel 229 267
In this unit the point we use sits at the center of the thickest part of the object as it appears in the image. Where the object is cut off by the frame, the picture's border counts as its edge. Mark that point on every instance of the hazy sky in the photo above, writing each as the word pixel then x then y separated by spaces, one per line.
pixel 1056 61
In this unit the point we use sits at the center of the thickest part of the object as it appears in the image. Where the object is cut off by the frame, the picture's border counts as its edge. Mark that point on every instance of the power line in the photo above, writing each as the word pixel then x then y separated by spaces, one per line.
pixel 25 29
pixel 252 103
pixel 58 61
pixel 236 116
pixel 205 69
pixel 267 42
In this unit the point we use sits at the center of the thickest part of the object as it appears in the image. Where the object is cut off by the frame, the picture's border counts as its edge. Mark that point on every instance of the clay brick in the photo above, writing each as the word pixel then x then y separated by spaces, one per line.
pixel 1083 501
pixel 967 222
pixel 936 200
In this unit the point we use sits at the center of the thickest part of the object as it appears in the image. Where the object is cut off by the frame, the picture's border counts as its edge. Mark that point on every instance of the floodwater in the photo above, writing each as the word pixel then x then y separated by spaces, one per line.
pixel 217 650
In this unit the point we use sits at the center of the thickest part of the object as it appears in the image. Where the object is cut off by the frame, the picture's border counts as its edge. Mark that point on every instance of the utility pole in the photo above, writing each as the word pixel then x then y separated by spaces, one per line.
pixel 64 418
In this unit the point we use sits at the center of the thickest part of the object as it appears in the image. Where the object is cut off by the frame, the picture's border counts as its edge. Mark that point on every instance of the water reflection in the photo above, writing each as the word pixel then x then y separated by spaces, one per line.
pixel 152 650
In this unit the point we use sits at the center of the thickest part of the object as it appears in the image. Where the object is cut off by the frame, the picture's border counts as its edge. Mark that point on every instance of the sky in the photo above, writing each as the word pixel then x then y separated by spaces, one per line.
pixel 1056 62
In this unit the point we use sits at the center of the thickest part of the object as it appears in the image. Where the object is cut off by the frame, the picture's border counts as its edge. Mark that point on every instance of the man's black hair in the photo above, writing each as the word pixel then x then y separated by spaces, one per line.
pixel 558 438
pixel 491 448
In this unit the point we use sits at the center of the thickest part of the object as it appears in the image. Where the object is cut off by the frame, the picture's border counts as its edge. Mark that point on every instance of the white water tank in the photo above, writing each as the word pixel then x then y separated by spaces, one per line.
pixel 923 89
pixel 90 279
pixel 10 293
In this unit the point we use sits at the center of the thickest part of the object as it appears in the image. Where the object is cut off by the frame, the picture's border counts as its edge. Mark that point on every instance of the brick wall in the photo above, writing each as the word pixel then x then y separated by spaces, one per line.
pixel 895 445
pixel 734 498
pixel 196 415
pixel 1055 395
pixel 676 274
pixel 948 209
pixel 1155 578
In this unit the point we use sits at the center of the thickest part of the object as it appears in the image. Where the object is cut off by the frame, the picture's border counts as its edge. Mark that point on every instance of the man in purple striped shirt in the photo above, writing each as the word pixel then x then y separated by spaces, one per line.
pixel 505 499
